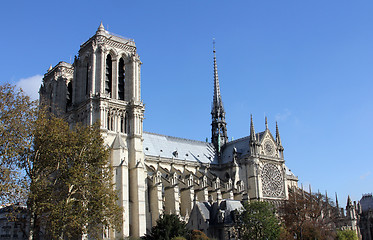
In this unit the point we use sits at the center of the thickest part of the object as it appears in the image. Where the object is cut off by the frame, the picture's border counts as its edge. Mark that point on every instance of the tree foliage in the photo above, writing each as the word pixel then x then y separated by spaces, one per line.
pixel 71 188
pixel 346 235
pixel 259 221
pixel 198 235
pixel 308 216
pixel 168 227
pixel 17 117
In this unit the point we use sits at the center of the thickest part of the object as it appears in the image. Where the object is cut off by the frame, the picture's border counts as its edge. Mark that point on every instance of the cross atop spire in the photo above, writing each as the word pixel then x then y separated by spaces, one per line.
pixel 219 126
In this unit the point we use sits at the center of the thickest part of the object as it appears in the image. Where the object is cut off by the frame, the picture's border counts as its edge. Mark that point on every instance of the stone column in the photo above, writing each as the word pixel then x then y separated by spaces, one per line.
pixel 187 196
pixel 172 201
pixel 156 198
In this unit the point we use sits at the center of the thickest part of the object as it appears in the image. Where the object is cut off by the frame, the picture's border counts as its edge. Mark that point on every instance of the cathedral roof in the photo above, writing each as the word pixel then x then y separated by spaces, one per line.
pixel 366 202
pixel 178 148
pixel 242 146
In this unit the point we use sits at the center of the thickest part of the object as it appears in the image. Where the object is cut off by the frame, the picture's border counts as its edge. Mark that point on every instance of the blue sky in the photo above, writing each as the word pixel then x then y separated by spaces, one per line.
pixel 306 64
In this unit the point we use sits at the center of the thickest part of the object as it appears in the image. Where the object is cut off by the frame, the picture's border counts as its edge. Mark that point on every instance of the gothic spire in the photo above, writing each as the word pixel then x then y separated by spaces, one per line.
pixel 266 123
pixel 278 139
pixel 336 201
pixel 219 128
pixel 252 130
pixel 217 97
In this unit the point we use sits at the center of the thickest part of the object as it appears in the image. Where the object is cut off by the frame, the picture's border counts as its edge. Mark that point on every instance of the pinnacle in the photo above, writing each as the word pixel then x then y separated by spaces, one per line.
pixel 101 27
pixel 266 122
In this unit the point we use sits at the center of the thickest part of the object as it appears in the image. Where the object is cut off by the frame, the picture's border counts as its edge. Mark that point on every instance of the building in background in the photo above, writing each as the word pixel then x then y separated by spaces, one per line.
pixel 366 217
pixel 13 224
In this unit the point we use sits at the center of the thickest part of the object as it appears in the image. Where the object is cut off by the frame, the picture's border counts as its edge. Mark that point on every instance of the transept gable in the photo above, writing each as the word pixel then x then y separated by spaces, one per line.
pixel 268 145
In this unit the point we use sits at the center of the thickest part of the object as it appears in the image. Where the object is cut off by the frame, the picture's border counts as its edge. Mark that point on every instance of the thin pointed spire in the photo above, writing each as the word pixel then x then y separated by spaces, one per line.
pixel 219 129
pixel 252 130
pixel 278 139
pixel 217 96
pixel 336 201
pixel 266 122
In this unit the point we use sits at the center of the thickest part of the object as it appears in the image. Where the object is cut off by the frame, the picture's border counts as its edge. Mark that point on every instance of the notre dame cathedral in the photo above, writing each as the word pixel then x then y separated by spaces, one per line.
pixel 154 173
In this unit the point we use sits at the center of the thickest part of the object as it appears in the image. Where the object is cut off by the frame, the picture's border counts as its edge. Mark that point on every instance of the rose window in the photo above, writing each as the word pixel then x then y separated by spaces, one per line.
pixel 272 181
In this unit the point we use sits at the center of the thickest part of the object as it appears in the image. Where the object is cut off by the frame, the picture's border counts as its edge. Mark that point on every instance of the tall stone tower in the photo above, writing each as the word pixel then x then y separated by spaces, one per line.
pixel 103 84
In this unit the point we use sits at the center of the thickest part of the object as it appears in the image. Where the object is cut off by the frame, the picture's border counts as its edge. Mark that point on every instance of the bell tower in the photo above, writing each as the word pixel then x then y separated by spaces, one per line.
pixel 106 88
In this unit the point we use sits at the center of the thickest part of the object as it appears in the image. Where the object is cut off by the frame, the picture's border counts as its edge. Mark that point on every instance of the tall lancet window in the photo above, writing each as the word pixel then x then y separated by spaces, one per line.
pixel 121 79
pixel 109 75
pixel 69 95
pixel 87 79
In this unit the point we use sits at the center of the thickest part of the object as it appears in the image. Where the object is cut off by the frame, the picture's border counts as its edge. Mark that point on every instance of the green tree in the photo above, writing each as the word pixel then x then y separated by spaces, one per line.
pixel 259 221
pixel 346 235
pixel 17 117
pixel 168 227
pixel 71 190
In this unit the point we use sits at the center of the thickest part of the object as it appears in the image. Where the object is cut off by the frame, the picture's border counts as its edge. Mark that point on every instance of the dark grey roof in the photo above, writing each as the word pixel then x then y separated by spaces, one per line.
pixel 366 202
pixel 289 172
pixel 178 148
pixel 204 209
pixel 227 207
pixel 242 145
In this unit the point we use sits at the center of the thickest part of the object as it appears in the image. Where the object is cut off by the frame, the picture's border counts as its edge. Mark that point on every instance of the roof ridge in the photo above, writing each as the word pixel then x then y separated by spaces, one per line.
pixel 185 139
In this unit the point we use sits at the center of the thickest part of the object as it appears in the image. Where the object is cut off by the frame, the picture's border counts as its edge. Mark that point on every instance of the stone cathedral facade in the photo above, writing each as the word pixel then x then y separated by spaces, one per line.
pixel 154 173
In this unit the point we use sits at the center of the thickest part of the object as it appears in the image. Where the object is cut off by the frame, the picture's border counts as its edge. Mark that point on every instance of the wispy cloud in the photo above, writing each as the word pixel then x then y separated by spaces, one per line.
pixel 365 175
pixel 283 116
pixel 30 85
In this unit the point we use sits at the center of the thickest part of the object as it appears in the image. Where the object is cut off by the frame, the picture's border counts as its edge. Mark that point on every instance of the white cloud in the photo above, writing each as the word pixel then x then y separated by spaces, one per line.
pixel 365 175
pixel 31 86
pixel 283 116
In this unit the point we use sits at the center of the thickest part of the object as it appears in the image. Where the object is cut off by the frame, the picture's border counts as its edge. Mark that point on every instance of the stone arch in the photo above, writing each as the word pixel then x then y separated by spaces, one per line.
pixel 108 74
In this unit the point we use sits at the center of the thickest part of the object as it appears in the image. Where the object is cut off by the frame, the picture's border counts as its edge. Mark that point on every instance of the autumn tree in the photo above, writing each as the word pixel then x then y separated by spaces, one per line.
pixel 17 117
pixel 308 216
pixel 71 190
pixel 259 221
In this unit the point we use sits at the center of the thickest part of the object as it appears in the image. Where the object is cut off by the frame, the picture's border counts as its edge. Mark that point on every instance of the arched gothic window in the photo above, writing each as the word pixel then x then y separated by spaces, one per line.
pixel 108 75
pixel 121 79
pixel 69 94
pixel 87 78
